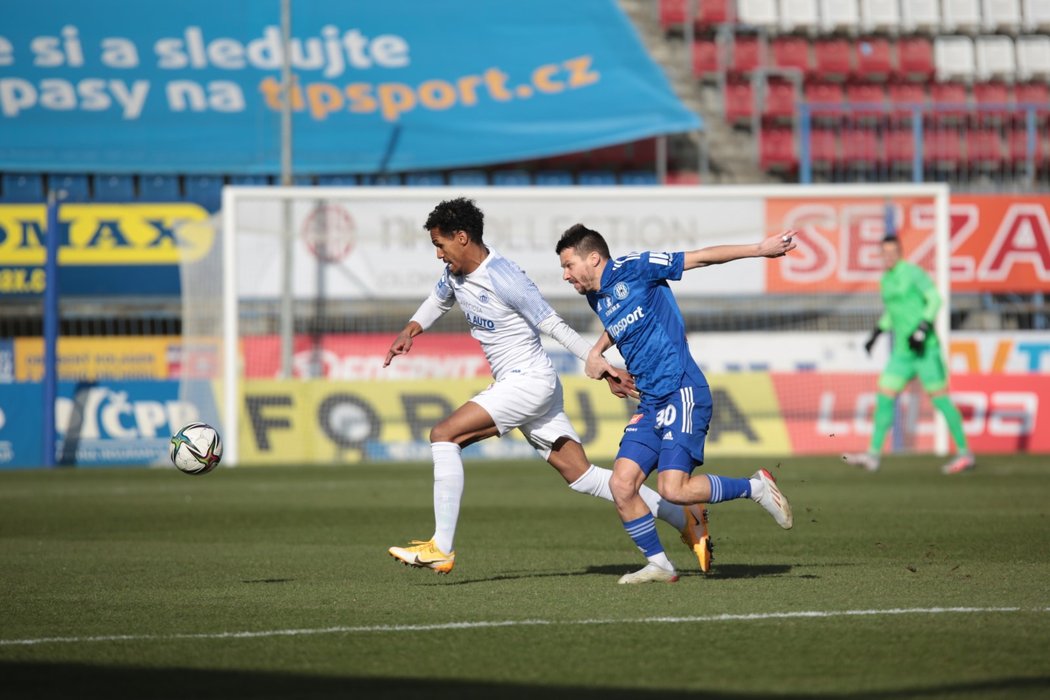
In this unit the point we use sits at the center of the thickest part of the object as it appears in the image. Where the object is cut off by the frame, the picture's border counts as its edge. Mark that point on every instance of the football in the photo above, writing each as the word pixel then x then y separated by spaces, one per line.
pixel 196 449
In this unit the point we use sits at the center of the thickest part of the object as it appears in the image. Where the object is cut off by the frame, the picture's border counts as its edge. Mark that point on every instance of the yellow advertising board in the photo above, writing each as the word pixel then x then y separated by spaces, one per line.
pixel 98 358
pixel 107 234
pixel 302 422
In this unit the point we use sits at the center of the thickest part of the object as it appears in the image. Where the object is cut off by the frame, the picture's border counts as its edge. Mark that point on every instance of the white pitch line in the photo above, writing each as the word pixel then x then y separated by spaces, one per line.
pixel 368 629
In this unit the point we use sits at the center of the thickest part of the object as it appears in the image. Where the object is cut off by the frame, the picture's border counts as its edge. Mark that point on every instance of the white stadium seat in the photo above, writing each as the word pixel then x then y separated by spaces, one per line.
pixel 799 15
pixel 880 16
pixel 953 58
pixel 758 13
pixel 1001 15
pixel 839 16
pixel 1033 57
pixel 1036 16
pixel 921 16
pixel 996 59
pixel 962 16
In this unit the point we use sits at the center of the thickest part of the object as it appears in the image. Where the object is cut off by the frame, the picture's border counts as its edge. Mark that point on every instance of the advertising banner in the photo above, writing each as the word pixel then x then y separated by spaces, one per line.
pixel 98 423
pixel 194 87
pixel 98 358
pixel 756 413
pixel 286 422
pixel 833 414
pixel 363 245
pixel 343 243
pixel 103 249
pixel 998 243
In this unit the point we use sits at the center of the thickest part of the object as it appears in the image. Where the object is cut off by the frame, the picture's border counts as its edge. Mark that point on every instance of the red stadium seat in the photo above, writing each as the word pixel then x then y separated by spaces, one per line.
pixel 995 100
pixel 827 93
pixel 739 101
pixel 672 13
pixel 915 58
pixel 860 147
pixel 713 12
pixel 831 58
pixel 705 58
pixel 683 177
pixel 1033 94
pixel 898 147
pixel 984 148
pixel 791 52
pixel 867 99
pixel 942 147
pixel 1017 148
pixel 780 99
pixel 745 54
pixel 903 97
pixel 825 100
pixel 950 100
pixel 874 59
pixel 823 148
pixel 777 149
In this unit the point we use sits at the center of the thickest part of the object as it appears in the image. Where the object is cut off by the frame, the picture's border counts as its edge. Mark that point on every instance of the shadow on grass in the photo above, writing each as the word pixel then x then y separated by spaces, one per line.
pixel 59 680
pixel 729 571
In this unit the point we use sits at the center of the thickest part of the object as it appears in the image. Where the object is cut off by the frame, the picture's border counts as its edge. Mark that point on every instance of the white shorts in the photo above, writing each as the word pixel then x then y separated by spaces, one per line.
pixel 533 403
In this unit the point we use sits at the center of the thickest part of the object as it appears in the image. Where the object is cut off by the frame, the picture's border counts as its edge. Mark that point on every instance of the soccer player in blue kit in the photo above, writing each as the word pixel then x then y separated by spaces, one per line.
pixel 640 315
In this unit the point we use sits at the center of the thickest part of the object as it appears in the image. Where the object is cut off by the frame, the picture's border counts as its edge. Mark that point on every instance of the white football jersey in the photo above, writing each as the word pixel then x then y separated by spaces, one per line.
pixel 503 307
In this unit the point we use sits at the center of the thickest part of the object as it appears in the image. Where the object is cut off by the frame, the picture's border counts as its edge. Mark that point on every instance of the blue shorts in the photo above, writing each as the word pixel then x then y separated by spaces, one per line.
pixel 669 433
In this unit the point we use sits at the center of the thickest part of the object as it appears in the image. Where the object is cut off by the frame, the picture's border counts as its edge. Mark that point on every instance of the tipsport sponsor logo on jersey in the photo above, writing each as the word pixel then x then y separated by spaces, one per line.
pixel 620 326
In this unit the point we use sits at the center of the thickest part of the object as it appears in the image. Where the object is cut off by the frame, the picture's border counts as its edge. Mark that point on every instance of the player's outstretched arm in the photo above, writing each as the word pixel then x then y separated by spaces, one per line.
pixel 403 342
pixel 596 364
pixel 772 247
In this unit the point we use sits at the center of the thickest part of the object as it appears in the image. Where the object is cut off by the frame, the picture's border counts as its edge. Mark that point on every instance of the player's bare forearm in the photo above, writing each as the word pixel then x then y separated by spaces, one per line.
pixel 772 247
pixel 596 365
pixel 403 342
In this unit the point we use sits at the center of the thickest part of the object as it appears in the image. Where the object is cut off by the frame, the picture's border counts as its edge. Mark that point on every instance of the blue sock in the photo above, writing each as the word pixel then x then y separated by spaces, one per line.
pixel 643 532
pixel 724 488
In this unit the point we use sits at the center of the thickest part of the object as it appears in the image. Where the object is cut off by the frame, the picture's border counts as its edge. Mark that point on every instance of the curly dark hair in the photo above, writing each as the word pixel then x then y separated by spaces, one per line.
pixel 458 214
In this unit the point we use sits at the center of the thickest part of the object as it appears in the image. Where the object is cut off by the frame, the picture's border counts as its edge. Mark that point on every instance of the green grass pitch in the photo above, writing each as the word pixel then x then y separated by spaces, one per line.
pixel 275 583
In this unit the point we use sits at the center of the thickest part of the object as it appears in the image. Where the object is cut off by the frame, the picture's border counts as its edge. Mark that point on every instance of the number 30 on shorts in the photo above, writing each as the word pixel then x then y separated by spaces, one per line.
pixel 666 416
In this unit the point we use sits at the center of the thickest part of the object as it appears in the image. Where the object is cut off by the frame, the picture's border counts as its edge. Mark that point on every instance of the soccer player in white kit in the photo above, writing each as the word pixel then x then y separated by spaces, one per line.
pixel 505 311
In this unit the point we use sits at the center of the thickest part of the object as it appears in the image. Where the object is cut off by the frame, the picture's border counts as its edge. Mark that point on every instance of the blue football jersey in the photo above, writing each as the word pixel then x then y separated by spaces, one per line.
pixel 640 313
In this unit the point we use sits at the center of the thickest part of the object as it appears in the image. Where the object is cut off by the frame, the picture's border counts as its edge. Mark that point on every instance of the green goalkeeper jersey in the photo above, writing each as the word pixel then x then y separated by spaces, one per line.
pixel 909 297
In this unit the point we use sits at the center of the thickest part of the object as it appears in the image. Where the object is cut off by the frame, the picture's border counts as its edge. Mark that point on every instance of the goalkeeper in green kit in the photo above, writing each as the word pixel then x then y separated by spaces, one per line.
pixel 911 303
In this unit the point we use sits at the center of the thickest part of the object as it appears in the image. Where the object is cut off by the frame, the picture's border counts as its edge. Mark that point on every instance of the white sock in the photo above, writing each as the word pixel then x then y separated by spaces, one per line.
pixel 448 491
pixel 662 561
pixel 758 489
pixel 595 482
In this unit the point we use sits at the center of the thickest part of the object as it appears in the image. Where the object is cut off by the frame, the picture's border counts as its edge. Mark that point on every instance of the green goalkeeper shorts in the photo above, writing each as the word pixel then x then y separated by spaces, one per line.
pixel 904 365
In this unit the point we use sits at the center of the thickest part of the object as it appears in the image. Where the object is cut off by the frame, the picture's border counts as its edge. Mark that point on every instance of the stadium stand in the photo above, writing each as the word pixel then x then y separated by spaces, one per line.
pixel 113 188
pixel 21 187
pixel 468 178
pixel 428 179
pixel 973 73
pixel 205 190
pixel 337 180
pixel 866 68
pixel 159 188
pixel 74 186
pixel 511 178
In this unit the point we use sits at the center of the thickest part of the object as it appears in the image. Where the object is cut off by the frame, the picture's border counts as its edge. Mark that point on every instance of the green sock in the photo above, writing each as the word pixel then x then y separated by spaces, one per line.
pixel 883 421
pixel 951 414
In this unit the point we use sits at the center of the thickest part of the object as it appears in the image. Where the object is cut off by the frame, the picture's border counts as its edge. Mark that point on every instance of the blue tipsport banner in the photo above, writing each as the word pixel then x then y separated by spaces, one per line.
pixel 194 86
